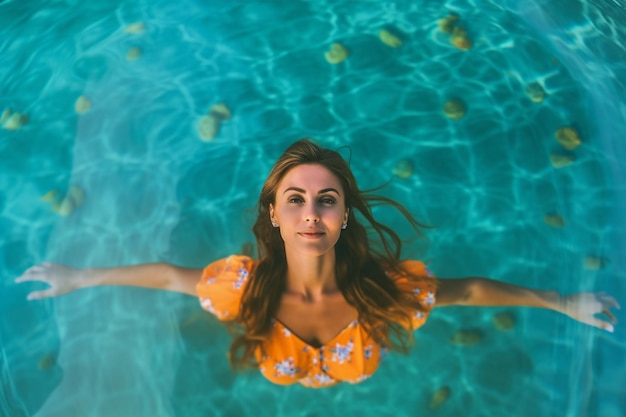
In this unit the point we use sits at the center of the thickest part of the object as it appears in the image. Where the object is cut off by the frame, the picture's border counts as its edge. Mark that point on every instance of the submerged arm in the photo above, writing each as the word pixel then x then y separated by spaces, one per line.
pixel 63 279
pixel 582 306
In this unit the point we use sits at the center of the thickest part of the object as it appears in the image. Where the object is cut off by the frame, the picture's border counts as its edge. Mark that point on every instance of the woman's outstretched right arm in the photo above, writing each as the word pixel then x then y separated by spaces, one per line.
pixel 63 279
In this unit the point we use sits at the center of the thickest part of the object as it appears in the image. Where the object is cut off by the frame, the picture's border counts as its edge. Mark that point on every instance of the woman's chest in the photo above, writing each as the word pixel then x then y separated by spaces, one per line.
pixel 317 323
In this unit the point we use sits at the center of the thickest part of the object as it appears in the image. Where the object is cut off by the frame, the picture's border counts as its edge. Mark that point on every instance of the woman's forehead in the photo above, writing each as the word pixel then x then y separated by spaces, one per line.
pixel 310 177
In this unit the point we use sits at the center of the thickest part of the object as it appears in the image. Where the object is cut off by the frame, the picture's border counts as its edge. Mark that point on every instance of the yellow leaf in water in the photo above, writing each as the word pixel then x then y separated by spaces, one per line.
pixel 82 105
pixel 47 362
pixel 535 92
pixel 560 161
pixel 446 25
pixel 454 109
pixel 336 54
pixel 439 397
pixel 568 137
pixel 208 127
pixel 49 196
pixel 466 337
pixel 403 169
pixel 593 263
pixel 389 38
pixel 554 220
pixel 220 111
pixel 135 28
pixel 504 321
pixel 134 53
pixel 15 121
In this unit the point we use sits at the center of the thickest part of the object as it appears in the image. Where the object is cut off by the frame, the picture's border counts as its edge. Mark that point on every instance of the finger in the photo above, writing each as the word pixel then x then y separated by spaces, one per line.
pixel 35 273
pixel 601 324
pixel 609 315
pixel 27 275
pixel 612 302
pixel 21 278
pixel 38 295
pixel 608 300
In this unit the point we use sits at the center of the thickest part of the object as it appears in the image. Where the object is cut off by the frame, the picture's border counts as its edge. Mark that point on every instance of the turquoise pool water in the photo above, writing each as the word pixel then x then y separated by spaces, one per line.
pixel 153 190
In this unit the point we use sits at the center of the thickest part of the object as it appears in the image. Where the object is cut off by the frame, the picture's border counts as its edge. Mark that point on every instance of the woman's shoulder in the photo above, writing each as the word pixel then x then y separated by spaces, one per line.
pixel 221 286
pixel 225 267
pixel 408 269
pixel 414 277
pixel 415 267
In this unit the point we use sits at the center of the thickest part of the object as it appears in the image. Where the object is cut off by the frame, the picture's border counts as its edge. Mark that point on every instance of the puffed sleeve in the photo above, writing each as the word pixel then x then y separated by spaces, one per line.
pixel 222 284
pixel 420 284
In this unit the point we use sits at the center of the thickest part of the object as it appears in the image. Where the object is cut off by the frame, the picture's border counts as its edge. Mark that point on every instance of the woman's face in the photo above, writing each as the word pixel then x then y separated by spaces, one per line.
pixel 310 209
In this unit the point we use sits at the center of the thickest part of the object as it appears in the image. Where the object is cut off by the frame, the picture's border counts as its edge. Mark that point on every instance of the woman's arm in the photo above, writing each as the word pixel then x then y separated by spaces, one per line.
pixel 63 279
pixel 486 292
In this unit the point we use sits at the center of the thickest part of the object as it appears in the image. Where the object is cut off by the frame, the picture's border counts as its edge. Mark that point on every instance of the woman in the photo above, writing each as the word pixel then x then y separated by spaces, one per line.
pixel 320 305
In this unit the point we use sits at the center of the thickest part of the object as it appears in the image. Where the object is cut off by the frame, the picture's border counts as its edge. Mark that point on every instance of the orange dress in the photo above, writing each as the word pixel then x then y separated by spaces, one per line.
pixel 351 356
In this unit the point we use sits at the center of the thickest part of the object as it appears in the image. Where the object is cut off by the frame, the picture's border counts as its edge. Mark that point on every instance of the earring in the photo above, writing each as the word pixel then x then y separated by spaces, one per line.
pixel 274 224
pixel 344 226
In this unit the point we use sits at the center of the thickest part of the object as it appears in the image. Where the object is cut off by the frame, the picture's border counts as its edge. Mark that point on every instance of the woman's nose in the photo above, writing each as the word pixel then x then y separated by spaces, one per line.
pixel 311 215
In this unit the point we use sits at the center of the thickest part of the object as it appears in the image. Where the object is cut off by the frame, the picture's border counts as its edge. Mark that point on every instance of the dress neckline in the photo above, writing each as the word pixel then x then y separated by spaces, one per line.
pixel 353 323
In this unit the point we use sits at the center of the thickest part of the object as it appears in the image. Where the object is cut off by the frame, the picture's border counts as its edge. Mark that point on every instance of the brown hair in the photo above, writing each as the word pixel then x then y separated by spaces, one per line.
pixel 382 310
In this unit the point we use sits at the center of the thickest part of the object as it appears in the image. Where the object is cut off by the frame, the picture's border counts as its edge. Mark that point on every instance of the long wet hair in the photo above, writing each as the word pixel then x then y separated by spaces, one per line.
pixel 360 269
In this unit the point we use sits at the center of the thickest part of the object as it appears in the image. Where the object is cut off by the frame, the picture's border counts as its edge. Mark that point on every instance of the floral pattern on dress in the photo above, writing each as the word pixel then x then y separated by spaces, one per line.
pixel 430 298
pixel 318 380
pixel 242 277
pixel 341 353
pixel 367 351
pixel 323 379
pixel 285 368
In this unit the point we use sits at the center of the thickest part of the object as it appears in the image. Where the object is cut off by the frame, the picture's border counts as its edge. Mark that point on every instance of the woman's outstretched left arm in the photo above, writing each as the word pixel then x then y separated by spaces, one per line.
pixel 587 307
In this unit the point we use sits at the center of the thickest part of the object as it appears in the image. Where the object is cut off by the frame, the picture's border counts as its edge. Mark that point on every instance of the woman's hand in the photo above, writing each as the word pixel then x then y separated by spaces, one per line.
pixel 62 279
pixel 590 308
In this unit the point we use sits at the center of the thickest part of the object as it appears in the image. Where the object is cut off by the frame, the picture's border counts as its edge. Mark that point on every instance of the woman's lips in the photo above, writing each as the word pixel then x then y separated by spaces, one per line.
pixel 311 235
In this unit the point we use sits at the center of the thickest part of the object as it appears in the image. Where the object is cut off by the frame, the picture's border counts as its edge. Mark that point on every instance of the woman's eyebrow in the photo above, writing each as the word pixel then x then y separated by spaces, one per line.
pixel 328 190
pixel 322 191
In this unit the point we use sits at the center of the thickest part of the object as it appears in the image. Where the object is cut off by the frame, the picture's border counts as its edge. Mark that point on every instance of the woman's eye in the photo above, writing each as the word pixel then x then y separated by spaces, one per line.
pixel 328 201
pixel 295 200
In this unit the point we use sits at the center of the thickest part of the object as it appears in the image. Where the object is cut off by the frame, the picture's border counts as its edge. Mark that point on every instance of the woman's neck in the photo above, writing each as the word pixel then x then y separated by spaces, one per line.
pixel 311 278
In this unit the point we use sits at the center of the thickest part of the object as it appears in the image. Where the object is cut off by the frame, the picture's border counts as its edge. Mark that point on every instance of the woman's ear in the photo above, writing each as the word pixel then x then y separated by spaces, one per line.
pixel 272 218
